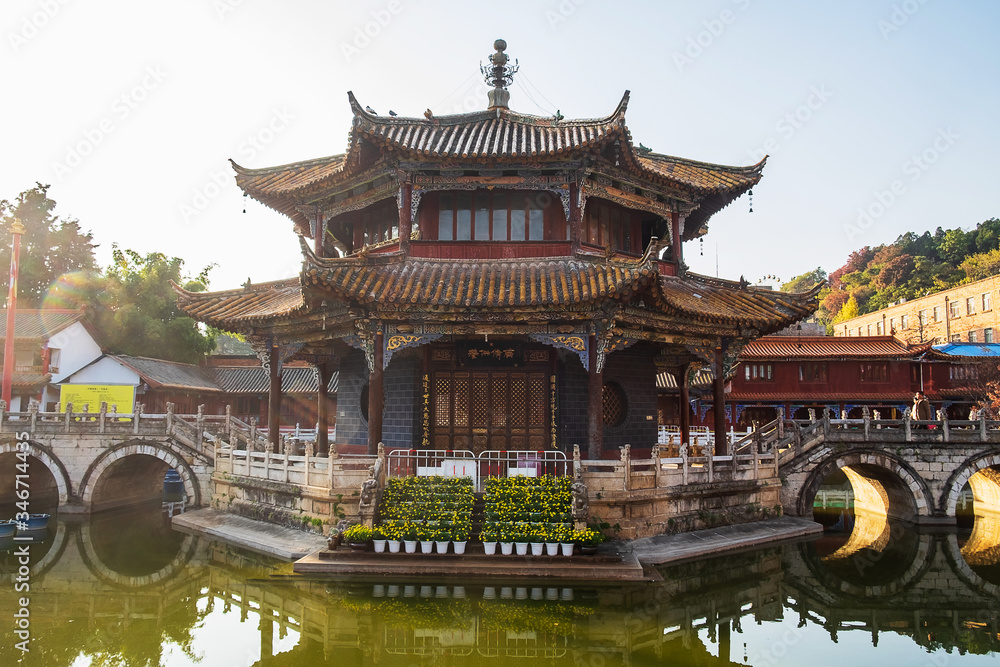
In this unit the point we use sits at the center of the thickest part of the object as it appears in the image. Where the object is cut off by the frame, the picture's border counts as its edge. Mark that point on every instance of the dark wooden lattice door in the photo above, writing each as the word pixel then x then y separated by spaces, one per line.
pixel 499 410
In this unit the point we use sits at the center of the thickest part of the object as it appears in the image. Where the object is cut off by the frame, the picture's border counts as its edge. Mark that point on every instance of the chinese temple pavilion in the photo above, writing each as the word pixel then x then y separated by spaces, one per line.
pixel 497 280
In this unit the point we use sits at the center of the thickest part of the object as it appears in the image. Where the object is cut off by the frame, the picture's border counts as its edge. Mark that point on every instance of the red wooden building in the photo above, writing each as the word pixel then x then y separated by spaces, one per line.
pixel 799 373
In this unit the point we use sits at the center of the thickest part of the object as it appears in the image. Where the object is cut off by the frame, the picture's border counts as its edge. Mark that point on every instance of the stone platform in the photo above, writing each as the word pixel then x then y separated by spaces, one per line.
pixel 264 538
pixel 605 566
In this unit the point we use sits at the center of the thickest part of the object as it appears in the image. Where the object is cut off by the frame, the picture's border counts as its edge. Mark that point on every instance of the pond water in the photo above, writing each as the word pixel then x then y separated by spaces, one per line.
pixel 124 589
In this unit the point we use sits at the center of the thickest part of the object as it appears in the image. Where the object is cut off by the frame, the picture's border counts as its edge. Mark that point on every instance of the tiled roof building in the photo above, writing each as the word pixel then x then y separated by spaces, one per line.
pixel 509 281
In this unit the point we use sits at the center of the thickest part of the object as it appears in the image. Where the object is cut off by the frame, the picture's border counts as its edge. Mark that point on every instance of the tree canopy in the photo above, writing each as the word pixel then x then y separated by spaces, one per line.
pixel 51 248
pixel 130 303
pixel 137 310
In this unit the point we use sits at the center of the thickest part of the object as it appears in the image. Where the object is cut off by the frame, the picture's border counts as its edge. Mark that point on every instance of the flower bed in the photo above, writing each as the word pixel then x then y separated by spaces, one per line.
pixel 427 509
pixel 528 509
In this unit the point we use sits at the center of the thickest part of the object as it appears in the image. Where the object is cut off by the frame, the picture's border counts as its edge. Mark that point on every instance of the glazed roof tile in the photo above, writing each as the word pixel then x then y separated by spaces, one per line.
pixel 246 306
pixel 170 374
pixel 493 135
pixel 29 380
pixel 255 380
pixel 481 284
pixel 734 302
pixel 40 324
pixel 831 347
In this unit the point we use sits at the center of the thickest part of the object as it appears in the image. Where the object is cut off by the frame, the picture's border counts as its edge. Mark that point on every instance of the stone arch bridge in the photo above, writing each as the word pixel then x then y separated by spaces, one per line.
pixel 86 462
pixel 898 468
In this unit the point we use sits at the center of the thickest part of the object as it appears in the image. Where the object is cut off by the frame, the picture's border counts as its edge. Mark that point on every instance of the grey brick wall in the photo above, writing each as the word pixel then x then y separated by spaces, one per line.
pixel 401 418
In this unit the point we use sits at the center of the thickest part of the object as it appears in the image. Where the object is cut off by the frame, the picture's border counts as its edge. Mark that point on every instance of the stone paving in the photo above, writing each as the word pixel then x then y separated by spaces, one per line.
pixel 285 543
pixel 662 549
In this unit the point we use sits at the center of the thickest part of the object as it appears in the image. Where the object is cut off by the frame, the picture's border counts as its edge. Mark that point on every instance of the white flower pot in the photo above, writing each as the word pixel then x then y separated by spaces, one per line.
pixel 426 546
pixel 410 546
pixel 379 546
pixel 489 548
pixel 522 548
pixel 506 548
pixel 442 546
pixel 551 548
pixel 537 548
pixel 460 547
pixel 567 548
pixel 394 546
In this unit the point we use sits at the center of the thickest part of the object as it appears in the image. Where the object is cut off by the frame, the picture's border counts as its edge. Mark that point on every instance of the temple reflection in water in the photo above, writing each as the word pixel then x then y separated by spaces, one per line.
pixel 128 590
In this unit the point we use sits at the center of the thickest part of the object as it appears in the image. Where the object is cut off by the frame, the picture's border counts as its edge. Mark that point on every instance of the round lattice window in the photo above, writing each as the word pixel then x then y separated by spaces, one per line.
pixel 615 404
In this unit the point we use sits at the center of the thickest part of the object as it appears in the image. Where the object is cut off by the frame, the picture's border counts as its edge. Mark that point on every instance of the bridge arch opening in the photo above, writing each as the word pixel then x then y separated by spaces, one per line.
pixel 880 486
pixel 46 481
pixel 133 474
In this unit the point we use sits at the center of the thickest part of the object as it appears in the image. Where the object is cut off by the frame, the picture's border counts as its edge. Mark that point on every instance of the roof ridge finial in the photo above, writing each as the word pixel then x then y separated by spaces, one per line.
pixel 499 75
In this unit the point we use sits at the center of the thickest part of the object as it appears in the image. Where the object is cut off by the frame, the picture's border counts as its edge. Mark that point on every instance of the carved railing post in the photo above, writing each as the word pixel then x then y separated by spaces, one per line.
pixel 136 416
pixel 908 425
pixel 982 426
pixel 866 418
pixel 683 451
pixel 577 470
pixel 69 415
pixel 710 450
pixel 626 462
pixel 655 453
pixel 826 421
pixel 229 422
pixel 170 418
pixel 103 417
pixel 781 423
pixel 945 430
pixel 199 435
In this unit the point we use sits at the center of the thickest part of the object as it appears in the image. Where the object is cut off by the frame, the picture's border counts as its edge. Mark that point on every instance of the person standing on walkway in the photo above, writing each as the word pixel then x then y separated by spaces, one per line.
pixel 921 408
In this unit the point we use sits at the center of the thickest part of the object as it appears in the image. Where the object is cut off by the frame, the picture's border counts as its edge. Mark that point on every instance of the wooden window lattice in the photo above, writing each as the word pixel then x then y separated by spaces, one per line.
pixel 615 404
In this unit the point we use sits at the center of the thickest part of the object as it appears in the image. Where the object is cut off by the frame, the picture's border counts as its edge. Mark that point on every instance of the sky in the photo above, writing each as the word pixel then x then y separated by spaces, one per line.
pixel 879 117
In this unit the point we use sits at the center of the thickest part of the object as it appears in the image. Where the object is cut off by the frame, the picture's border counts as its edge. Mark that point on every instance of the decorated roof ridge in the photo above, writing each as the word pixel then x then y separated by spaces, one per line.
pixel 618 115
pixel 743 284
pixel 231 310
pixel 247 288
pixel 747 170
pixel 247 171
pixel 732 302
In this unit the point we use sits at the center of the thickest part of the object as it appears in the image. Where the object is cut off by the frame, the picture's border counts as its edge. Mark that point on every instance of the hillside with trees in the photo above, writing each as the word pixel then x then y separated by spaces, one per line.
pixel 913 266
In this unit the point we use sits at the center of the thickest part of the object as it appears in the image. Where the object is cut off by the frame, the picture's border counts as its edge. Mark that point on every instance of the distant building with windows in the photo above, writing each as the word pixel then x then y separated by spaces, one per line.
pixel 963 314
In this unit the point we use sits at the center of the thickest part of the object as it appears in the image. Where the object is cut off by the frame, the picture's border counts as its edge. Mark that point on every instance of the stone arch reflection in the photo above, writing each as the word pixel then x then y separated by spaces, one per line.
pixel 981 549
pixel 134 548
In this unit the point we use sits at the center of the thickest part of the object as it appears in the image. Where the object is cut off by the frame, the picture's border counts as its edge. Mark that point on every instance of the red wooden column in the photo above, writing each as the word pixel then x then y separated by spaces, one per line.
pixel 320 234
pixel 322 410
pixel 405 219
pixel 721 446
pixel 675 234
pixel 375 398
pixel 274 399
pixel 595 407
pixel 685 403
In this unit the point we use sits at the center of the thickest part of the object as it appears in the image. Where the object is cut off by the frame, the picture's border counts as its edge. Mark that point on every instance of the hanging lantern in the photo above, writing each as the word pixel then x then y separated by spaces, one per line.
pixel 751 199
